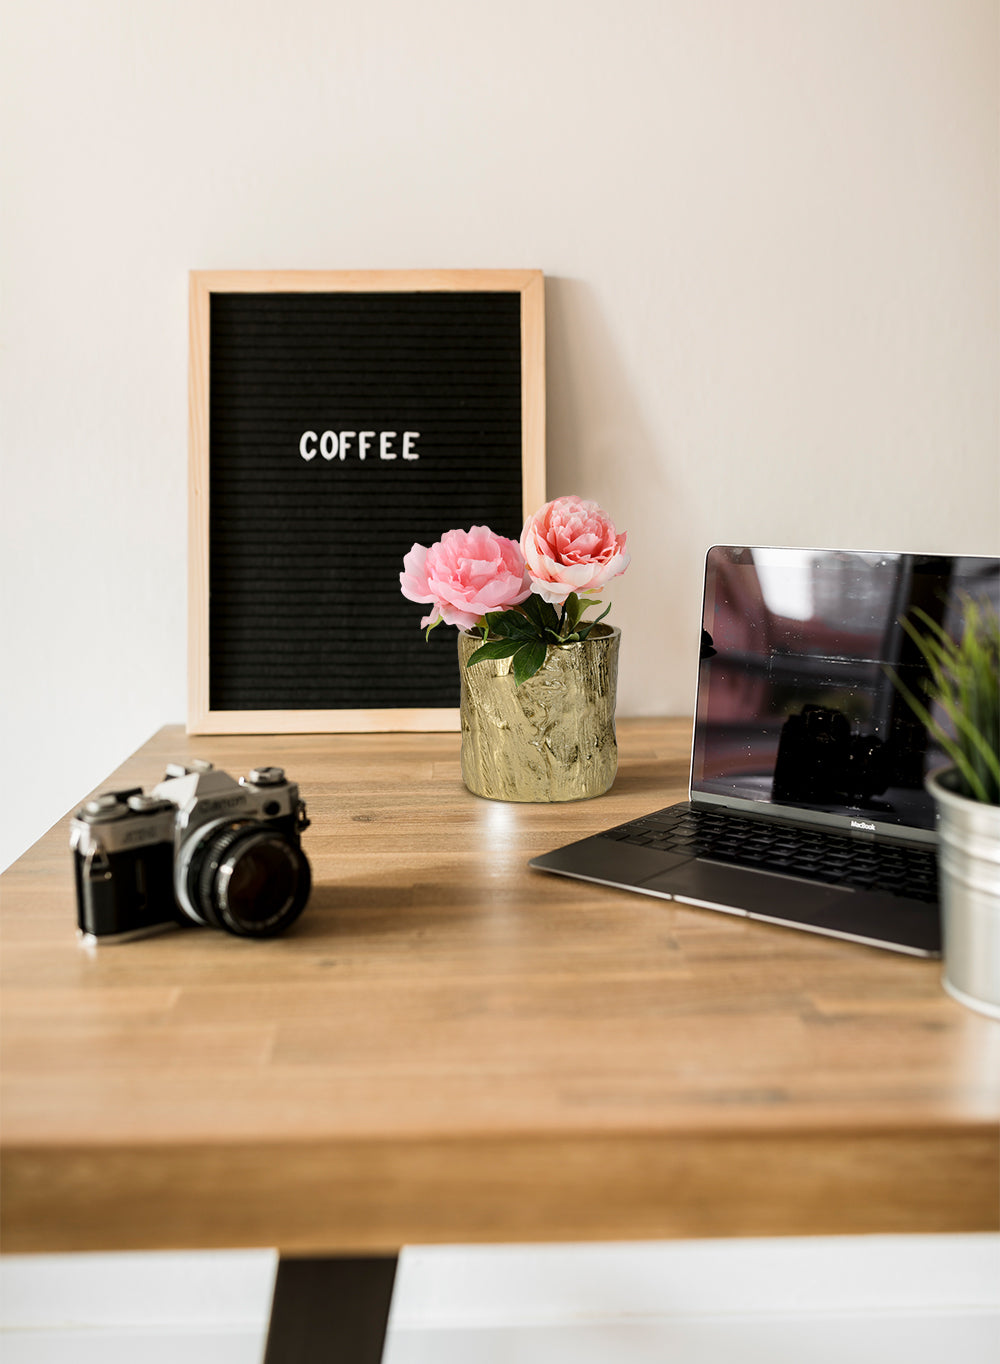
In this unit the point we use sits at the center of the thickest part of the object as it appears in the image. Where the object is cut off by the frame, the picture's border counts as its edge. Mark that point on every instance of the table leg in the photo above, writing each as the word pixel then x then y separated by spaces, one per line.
pixel 330 1310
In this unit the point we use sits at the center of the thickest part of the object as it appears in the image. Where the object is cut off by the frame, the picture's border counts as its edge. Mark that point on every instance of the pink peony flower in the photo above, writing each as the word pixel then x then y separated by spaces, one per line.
pixel 465 574
pixel 571 546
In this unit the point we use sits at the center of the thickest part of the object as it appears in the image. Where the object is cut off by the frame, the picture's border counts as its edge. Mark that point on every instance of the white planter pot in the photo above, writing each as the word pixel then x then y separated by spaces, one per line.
pixel 969 871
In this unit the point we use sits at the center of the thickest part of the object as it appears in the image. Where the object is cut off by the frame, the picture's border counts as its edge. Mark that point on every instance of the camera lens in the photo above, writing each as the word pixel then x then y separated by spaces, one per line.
pixel 248 879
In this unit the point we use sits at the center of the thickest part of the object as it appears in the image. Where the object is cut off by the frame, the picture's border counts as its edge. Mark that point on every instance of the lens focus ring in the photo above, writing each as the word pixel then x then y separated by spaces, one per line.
pixel 249 879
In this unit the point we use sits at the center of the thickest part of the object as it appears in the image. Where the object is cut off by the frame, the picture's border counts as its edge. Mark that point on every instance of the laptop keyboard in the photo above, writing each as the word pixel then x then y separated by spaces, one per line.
pixel 787 849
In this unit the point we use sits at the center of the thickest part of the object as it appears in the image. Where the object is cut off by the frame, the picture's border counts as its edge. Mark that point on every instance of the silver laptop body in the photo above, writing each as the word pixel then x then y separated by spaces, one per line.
pixel 807 805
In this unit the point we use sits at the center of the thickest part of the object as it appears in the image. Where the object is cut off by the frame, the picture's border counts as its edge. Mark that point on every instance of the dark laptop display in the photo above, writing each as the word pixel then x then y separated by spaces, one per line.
pixel 807 801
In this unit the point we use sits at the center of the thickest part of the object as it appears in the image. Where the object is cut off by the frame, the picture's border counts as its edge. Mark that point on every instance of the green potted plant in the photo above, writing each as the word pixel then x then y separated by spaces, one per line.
pixel 961 710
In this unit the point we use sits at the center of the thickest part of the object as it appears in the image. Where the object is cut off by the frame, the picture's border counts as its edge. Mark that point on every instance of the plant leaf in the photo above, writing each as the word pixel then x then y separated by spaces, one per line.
pixel 528 659
pixel 963 683
pixel 570 614
pixel 499 648
pixel 510 625
pixel 951 747
pixel 542 613
pixel 575 614
pixel 587 626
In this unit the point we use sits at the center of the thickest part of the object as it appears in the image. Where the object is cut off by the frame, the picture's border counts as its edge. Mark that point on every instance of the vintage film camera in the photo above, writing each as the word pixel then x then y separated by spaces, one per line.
pixel 201 848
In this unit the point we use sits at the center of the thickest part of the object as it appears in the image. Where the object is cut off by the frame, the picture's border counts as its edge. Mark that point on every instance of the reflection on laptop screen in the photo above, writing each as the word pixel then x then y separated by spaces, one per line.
pixel 796 707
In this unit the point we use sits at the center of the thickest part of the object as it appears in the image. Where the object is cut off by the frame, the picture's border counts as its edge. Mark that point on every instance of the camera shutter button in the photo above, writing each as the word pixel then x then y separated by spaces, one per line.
pixel 185 770
pixel 267 776
pixel 103 808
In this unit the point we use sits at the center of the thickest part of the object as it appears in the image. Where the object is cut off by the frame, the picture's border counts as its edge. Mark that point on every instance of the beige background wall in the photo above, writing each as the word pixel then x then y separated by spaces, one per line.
pixel 770 230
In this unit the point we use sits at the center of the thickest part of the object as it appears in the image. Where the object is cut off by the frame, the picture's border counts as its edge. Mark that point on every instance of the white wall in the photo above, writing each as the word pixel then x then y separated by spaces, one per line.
pixel 769 227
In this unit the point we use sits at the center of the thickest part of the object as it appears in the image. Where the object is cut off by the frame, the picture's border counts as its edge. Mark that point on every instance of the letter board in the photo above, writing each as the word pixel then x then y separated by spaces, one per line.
pixel 335 419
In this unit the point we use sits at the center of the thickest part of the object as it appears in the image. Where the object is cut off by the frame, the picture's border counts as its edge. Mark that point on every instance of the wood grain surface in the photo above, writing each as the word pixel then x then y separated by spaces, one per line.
pixel 450 1047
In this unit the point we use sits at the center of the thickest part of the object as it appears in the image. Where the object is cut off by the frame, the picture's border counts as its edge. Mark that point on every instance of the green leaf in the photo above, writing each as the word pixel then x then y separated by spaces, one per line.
pixel 586 628
pixel 573 612
pixel 500 648
pixel 963 682
pixel 951 747
pixel 433 626
pixel 541 613
pixel 937 630
pixel 528 659
pixel 510 625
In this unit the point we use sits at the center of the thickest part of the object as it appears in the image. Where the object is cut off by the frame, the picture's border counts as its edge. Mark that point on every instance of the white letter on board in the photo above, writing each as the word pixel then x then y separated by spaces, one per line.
pixel 383 445
pixel 328 444
pixel 306 437
pixel 343 441
pixel 408 438
pixel 364 442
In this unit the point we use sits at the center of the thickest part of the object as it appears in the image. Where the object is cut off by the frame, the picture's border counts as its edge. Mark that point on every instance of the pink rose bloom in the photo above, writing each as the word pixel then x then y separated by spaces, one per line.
pixel 571 546
pixel 464 575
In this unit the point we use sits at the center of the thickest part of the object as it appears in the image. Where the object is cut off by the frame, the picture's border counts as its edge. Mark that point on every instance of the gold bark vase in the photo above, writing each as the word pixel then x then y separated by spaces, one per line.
pixel 553 737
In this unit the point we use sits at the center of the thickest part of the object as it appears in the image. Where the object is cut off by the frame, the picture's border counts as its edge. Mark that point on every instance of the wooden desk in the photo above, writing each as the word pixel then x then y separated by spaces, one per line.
pixel 451 1048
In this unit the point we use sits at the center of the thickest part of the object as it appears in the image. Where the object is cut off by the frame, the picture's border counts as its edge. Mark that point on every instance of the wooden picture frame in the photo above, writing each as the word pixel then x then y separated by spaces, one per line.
pixel 461 296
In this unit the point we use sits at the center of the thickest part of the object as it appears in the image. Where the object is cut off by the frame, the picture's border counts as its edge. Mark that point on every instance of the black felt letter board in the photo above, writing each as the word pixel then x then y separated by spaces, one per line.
pixel 342 428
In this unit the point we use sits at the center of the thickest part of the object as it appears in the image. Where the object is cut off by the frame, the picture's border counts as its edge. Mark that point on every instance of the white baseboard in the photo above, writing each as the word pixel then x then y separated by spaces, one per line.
pixel 862 1299
pixel 818 1340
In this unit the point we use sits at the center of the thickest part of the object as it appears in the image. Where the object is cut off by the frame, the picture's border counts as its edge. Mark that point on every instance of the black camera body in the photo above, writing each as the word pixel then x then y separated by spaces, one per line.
pixel 201 848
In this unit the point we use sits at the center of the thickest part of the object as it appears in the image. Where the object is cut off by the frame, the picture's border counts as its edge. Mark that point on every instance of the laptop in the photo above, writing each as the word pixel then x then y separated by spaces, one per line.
pixel 807 804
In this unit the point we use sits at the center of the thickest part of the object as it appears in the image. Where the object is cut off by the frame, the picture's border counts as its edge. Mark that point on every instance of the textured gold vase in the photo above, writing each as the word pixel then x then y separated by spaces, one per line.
pixel 553 737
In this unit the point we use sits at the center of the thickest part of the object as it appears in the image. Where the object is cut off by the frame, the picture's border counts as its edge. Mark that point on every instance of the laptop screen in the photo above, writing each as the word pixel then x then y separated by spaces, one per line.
pixel 796 707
